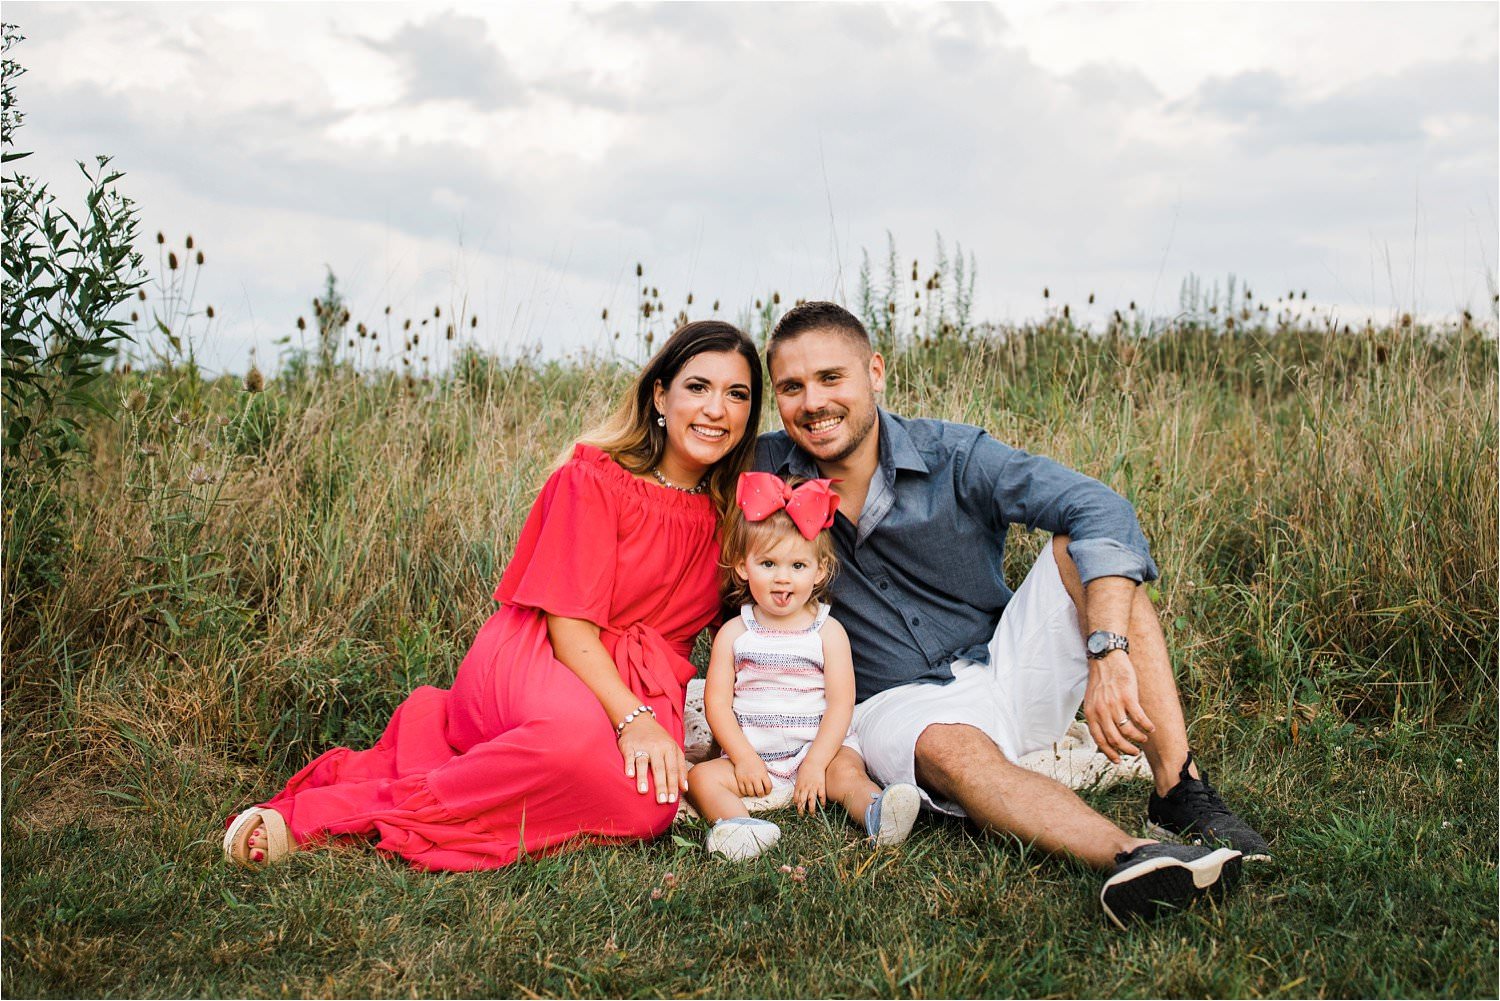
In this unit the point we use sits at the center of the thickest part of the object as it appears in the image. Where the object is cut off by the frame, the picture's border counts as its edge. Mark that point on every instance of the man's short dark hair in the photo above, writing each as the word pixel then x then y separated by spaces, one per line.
pixel 818 316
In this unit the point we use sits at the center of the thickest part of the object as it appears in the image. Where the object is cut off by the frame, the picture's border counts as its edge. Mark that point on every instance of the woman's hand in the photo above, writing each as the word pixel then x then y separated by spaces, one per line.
pixel 649 750
pixel 751 777
pixel 811 791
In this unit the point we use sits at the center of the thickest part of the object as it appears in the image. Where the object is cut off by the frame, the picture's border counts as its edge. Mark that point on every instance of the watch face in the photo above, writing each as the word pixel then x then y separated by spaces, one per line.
pixel 1097 643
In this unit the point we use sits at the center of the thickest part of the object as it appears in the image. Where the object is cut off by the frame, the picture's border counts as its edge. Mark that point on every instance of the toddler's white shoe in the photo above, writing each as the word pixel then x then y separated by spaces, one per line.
pixel 740 838
pixel 890 816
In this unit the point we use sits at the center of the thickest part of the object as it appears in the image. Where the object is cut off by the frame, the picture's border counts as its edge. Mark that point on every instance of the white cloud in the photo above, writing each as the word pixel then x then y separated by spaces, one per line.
pixel 529 155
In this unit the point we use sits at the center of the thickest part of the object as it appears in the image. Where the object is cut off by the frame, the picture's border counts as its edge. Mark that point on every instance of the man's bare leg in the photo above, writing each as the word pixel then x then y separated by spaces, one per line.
pixel 961 763
pixel 1167 748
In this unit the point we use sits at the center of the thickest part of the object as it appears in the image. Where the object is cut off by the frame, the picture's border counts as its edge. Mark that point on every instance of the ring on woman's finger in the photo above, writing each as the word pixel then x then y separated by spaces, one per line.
pixel 642 754
pixel 1123 721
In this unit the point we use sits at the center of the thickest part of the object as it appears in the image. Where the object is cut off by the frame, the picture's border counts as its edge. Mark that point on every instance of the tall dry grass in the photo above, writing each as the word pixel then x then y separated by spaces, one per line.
pixel 244 579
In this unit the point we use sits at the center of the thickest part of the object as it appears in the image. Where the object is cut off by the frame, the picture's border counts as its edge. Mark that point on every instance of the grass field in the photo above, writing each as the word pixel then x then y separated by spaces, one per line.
pixel 238 580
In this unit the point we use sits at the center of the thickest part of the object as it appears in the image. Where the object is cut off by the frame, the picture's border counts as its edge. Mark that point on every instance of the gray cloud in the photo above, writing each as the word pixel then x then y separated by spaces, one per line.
pixel 448 57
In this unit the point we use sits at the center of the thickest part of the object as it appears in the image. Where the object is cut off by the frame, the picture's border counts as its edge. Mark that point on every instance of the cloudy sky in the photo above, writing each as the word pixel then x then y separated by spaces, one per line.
pixel 518 161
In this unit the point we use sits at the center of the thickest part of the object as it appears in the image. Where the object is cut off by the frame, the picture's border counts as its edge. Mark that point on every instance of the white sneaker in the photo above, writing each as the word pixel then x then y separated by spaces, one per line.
pixel 890 816
pixel 740 838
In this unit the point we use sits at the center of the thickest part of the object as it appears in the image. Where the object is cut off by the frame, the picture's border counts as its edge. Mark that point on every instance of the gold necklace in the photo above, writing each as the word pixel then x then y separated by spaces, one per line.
pixel 698 488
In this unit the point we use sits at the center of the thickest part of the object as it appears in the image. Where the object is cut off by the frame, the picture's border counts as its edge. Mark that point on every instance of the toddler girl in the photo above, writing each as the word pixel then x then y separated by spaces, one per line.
pixel 780 688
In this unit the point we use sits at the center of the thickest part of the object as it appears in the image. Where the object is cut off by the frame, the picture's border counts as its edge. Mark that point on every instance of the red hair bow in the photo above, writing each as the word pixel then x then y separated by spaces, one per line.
pixel 810 505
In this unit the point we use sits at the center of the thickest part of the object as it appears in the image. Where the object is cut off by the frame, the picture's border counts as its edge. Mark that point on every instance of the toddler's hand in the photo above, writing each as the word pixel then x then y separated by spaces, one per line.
pixel 812 789
pixel 751 778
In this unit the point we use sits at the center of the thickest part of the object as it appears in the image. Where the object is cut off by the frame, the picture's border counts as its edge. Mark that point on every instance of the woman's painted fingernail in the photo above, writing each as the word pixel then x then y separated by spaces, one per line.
pixel 257 856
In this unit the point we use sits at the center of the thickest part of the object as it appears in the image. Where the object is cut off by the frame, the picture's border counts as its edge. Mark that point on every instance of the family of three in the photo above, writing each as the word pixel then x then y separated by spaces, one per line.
pixel 878 659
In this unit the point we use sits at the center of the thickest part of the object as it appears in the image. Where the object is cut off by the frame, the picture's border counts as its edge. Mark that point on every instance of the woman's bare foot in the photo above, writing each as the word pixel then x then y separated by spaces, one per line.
pixel 257 837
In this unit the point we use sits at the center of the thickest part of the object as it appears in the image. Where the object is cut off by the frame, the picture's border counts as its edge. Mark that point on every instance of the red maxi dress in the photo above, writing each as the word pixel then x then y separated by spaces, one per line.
pixel 519 756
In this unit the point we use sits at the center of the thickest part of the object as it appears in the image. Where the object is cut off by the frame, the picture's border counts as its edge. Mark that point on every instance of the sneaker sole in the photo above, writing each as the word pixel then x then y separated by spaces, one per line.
pixel 1151 888
pixel 738 842
pixel 898 813
pixel 1160 833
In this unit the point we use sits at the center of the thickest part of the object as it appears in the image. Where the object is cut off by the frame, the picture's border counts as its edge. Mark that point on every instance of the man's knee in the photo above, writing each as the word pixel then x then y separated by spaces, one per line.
pixel 945 752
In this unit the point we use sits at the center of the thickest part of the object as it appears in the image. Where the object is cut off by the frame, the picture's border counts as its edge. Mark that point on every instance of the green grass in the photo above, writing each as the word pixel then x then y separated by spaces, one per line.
pixel 1323 507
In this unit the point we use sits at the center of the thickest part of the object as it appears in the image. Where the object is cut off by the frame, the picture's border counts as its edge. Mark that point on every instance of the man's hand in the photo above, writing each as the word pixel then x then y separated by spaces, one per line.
pixel 1111 706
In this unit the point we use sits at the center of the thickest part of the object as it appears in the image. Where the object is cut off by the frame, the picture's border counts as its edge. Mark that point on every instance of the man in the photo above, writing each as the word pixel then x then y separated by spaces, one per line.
pixel 951 692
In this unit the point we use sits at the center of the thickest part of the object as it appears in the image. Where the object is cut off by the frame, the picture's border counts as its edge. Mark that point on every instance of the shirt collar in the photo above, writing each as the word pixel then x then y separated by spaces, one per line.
pixel 897 451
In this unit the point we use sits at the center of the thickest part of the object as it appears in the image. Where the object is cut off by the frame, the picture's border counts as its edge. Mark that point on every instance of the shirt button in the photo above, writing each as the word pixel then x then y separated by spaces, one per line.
pixel 885 586
pixel 916 621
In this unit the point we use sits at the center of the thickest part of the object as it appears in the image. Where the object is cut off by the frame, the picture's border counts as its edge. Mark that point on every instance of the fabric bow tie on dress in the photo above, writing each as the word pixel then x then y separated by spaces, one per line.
pixel 810 505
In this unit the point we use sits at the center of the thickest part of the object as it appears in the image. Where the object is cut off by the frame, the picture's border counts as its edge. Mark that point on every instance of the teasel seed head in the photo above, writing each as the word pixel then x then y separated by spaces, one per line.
pixel 199 476
pixel 160 237
pixel 690 299
pixel 189 243
pixel 437 311
pixel 473 322
pixel 450 332
pixel 200 258
pixel 210 311
pixel 775 298
pixel 172 260
pixel 141 294
pixel 254 381
pixel 407 324
pixel 135 402
pixel 638 270
pixel 301 323
pixel 604 315
pixel 1046 292
pixel 134 316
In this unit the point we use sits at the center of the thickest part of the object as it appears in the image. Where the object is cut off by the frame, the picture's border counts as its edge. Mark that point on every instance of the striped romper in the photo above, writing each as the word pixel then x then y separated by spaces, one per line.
pixel 778 691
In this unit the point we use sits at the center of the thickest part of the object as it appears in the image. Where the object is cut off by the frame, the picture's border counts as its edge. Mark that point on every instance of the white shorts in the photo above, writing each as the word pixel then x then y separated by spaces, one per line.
pixel 1024 698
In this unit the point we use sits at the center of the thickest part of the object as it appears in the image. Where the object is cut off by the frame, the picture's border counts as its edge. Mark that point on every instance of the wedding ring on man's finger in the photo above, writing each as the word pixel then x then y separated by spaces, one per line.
pixel 1123 722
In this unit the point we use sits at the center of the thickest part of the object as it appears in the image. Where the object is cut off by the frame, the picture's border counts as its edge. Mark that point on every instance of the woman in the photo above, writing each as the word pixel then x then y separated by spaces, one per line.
pixel 565 718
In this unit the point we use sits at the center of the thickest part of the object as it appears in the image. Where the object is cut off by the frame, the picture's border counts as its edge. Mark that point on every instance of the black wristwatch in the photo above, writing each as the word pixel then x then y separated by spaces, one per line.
pixel 1101 643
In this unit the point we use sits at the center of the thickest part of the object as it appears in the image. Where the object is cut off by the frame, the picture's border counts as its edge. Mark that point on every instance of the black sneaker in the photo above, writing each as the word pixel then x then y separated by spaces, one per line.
pixel 1158 877
pixel 1193 810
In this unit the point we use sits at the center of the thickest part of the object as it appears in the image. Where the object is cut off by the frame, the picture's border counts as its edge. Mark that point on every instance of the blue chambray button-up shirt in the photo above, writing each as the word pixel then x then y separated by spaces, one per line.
pixel 921 579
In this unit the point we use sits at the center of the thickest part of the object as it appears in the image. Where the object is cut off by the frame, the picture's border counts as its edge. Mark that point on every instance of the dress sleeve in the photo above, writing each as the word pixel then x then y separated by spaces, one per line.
pixel 565 560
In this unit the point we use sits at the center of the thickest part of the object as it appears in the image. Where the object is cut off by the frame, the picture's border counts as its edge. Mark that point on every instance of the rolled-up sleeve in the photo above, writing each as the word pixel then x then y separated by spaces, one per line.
pixel 1014 486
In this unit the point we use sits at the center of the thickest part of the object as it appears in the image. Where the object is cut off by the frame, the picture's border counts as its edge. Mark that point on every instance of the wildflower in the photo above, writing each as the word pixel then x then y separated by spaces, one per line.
pixel 180 419
pixel 1458 762
pixel 784 869
pixel 254 381
pixel 656 893
pixel 800 870
pixel 799 876
pixel 199 476
pixel 1447 824
pixel 669 880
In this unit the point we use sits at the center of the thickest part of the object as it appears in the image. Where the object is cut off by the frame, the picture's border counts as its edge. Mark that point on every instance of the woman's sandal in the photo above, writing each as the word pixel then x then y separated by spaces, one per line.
pixel 257 818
